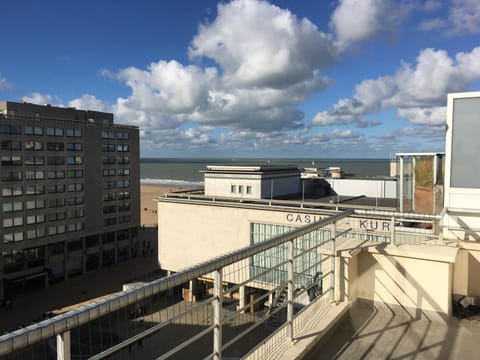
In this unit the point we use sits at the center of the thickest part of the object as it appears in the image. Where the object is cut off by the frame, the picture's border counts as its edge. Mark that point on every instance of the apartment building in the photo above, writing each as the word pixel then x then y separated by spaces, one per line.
pixel 69 199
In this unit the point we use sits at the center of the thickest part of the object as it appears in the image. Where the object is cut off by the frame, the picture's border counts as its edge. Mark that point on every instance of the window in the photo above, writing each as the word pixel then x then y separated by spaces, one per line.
pixel 124 219
pixel 11 175
pixel 110 184
pixel 108 147
pixel 123 160
pixel 109 209
pixel 56 202
pixel 249 189
pixel 75 227
pixel 74 132
pixel 55 160
pixel 11 145
pixel 35 219
pixel 10 129
pixel 75 187
pixel 59 174
pixel 77 200
pixel 233 189
pixel 13 222
pixel 124 207
pixel 11 160
pixel 33 145
pixel 123 183
pixel 57 216
pixel 54 230
pixel 55 146
pixel 110 221
pixel 74 174
pixel 34 204
pixel 35 233
pixel 33 130
pixel 12 206
pixel 74 160
pixel 109 197
pixel 34 189
pixel 122 148
pixel 124 195
pixel 108 135
pixel 108 160
pixel 74 214
pixel 18 236
pixel 55 188
pixel 123 172
pixel 240 189
pixel 74 146
pixel 108 172
pixel 122 135
pixel 54 132
pixel 34 160
pixel 34 175
pixel 8 192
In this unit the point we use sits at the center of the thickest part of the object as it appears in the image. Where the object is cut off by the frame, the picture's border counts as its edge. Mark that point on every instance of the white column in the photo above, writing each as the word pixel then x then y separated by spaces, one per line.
pixel 241 300
pixel 333 270
pixel 217 314
pixel 291 255
pixel 63 346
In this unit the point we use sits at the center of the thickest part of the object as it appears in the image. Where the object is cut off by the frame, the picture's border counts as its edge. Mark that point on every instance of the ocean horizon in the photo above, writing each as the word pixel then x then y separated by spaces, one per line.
pixel 185 172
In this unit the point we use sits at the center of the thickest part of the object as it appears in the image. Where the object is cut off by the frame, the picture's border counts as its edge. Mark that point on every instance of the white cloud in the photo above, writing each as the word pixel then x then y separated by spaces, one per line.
pixel 463 17
pixel 4 84
pixel 431 5
pixel 38 98
pixel 358 20
pixel 418 92
pixel 90 102
pixel 259 44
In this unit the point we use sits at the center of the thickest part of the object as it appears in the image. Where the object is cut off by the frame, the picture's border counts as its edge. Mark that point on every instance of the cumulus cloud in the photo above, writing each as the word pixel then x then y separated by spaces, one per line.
pixel 419 93
pixel 259 44
pixel 90 102
pixel 354 21
pixel 266 62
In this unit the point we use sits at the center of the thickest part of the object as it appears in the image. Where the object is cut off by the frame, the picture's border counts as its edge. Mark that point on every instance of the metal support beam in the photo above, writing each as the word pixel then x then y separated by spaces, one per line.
pixel 63 346
pixel 291 255
pixel 217 314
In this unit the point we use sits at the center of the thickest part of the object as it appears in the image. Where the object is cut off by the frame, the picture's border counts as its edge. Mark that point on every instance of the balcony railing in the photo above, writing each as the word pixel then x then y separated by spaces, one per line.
pixel 240 299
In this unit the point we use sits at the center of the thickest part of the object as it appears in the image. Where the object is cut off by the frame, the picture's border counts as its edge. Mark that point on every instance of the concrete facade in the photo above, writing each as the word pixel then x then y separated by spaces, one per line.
pixel 70 193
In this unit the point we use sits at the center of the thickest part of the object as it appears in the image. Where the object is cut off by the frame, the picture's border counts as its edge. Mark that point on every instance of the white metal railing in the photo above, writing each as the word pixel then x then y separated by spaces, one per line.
pixel 285 273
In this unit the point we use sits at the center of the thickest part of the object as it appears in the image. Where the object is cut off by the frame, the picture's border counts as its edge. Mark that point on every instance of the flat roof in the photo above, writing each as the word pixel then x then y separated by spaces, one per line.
pixel 251 168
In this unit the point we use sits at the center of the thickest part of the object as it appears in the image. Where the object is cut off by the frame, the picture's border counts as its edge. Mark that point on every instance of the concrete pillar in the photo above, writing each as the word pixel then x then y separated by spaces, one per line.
pixel 241 298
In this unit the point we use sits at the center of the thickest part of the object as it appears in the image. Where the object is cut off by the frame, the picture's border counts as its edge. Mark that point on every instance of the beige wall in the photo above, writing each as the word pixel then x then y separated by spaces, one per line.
pixel 467 270
pixel 410 279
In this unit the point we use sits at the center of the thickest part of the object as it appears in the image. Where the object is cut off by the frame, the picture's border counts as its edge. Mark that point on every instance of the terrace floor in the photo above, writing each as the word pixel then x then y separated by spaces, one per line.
pixel 372 332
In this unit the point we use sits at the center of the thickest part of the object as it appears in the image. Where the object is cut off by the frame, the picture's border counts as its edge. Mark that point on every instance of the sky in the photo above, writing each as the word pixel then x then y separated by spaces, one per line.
pixel 250 78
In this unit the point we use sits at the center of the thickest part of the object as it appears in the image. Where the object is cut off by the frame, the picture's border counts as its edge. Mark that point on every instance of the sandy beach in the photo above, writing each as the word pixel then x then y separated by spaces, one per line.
pixel 148 205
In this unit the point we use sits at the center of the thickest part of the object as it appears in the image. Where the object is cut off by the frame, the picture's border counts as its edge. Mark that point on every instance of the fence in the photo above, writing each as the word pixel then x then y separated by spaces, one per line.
pixel 240 299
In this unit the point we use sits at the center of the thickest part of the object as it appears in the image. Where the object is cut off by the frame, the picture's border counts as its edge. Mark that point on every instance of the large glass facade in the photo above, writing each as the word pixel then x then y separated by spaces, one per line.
pixel 308 258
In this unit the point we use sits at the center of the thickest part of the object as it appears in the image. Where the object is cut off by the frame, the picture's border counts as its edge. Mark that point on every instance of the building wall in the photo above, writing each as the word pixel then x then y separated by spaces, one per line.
pixel 466 279
pixel 370 188
pixel 419 279
pixel 99 237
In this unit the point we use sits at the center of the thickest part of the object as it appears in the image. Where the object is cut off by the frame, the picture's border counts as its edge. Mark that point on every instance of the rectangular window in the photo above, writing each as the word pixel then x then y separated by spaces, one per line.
pixel 233 189
pixel 55 160
pixel 74 146
pixel 8 192
pixel 249 189
pixel 33 145
pixel 34 189
pixel 11 176
pixel 240 189
pixel 74 174
pixel 74 160
pixel 11 145
pixel 55 146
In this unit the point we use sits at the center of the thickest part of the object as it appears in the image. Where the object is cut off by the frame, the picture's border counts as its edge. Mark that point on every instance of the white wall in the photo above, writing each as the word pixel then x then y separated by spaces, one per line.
pixel 380 188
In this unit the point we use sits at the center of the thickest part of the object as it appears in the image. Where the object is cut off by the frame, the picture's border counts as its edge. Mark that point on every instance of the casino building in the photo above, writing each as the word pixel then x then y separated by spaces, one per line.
pixel 69 193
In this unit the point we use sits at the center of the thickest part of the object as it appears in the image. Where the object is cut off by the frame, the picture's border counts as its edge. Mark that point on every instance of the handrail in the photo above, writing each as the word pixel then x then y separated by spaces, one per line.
pixel 59 324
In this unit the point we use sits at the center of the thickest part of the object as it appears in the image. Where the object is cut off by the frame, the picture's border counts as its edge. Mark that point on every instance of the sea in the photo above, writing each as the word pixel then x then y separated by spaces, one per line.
pixel 188 172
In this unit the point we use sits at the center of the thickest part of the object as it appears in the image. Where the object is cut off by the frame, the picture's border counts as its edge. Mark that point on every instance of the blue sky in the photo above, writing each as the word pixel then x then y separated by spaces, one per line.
pixel 250 78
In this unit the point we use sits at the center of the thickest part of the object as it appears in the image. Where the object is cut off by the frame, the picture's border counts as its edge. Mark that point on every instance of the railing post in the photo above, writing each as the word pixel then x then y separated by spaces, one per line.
pixel 392 230
pixel 333 272
pixel 217 314
pixel 291 254
pixel 63 346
